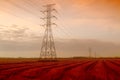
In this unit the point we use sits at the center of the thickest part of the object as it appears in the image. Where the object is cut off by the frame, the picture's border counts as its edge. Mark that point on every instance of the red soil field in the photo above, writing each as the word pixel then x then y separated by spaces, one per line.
pixel 81 69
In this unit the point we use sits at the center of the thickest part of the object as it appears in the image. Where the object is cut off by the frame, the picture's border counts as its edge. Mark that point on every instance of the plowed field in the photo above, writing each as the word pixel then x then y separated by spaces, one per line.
pixel 100 69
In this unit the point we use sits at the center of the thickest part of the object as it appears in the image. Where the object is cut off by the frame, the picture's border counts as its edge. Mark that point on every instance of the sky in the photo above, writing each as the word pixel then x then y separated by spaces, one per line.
pixel 81 24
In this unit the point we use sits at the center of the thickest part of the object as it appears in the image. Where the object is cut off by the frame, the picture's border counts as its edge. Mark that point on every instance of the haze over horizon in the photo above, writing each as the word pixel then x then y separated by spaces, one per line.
pixel 82 24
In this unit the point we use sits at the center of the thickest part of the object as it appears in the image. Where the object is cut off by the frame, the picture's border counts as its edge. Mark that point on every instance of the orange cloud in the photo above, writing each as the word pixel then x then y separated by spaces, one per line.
pixel 115 3
pixel 96 9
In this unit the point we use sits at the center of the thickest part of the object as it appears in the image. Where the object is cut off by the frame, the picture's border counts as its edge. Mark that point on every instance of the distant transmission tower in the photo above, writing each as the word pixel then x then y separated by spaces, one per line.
pixel 95 55
pixel 90 52
pixel 48 49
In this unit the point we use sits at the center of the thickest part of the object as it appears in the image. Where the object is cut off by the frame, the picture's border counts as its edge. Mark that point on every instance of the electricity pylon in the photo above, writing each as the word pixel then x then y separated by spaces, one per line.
pixel 90 52
pixel 95 55
pixel 48 50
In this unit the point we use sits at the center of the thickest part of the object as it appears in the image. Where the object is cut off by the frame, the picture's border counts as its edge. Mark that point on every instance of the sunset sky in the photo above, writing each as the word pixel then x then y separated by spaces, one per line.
pixel 81 24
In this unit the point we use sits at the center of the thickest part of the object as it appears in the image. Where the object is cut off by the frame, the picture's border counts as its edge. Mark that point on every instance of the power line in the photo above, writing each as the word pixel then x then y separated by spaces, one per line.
pixel 63 31
pixel 10 12
pixel 23 7
pixel 32 4
pixel 68 32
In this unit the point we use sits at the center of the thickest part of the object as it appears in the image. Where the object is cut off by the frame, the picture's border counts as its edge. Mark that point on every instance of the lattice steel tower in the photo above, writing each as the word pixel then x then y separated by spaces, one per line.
pixel 48 49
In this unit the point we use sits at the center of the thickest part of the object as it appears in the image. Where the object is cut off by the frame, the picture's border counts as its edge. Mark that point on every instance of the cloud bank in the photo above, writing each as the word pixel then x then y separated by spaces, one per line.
pixel 65 48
